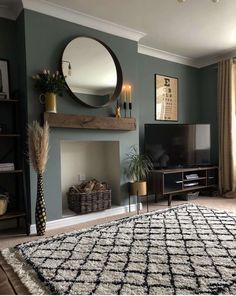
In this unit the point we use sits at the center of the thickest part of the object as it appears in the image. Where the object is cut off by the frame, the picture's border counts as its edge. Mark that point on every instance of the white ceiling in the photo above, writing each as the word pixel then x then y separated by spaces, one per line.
pixel 195 30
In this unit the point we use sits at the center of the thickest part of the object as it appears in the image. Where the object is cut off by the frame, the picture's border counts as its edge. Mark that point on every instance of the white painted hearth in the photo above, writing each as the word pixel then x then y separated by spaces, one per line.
pixel 89 159
pixel 76 219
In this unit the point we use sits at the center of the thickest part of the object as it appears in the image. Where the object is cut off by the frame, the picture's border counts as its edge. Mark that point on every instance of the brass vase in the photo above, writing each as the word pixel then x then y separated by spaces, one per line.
pixel 49 99
pixel 40 210
pixel 51 102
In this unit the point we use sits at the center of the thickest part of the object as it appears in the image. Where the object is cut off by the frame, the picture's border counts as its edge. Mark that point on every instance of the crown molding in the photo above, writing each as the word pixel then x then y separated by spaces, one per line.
pixel 77 17
pixel 6 13
pixel 12 10
pixel 15 7
pixel 165 55
pixel 203 62
pixel 196 63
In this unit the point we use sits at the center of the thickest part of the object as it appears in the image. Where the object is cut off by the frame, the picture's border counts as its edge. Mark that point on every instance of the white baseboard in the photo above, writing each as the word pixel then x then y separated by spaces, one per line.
pixel 86 217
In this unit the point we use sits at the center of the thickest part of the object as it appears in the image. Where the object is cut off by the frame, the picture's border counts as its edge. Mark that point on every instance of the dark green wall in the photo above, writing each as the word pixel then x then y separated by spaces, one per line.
pixel 208 104
pixel 45 39
pixel 41 40
pixel 189 92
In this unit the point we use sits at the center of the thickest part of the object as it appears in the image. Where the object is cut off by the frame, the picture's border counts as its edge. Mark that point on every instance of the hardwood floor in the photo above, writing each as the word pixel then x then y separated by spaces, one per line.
pixel 213 202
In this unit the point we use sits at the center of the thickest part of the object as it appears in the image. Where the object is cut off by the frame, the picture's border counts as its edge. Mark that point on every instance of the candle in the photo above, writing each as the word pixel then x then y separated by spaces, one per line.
pixel 130 93
pixel 124 93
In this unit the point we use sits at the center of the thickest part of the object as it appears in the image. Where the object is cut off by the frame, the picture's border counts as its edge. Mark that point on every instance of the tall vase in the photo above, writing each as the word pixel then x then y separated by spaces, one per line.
pixel 51 102
pixel 40 210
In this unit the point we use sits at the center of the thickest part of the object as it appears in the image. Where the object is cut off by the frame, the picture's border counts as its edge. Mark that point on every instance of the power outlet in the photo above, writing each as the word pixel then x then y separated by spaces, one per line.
pixel 82 177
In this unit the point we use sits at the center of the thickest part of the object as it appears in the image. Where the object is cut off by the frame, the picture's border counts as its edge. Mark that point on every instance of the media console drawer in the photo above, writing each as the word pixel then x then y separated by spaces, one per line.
pixel 169 182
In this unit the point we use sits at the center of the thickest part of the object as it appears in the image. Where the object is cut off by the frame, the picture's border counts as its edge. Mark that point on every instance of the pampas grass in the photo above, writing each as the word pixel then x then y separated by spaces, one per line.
pixel 38 140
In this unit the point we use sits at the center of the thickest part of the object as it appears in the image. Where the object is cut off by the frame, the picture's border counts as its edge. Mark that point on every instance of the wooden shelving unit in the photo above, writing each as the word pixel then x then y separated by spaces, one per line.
pixel 14 178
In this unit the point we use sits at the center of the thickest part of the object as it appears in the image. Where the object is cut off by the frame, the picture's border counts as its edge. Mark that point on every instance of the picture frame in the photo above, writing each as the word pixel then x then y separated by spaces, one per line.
pixel 4 80
pixel 166 98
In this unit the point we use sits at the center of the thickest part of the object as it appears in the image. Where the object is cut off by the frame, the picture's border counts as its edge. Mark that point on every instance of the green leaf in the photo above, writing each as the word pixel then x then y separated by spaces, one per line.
pixel 139 165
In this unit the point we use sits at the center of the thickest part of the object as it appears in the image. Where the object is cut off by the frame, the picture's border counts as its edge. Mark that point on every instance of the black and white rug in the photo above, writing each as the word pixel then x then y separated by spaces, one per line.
pixel 183 250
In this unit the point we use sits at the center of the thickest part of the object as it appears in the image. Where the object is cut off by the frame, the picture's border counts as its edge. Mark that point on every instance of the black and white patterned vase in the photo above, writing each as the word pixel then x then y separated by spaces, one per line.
pixel 40 210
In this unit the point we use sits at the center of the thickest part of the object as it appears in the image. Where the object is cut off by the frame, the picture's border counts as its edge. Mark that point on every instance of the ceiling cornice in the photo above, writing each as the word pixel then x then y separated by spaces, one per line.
pixel 203 62
pixel 165 55
pixel 12 10
pixel 76 17
pixel 43 6
pixel 196 63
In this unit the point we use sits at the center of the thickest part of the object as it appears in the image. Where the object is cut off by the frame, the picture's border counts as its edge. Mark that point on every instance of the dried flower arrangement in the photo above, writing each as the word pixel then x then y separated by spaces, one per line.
pixel 50 82
pixel 38 139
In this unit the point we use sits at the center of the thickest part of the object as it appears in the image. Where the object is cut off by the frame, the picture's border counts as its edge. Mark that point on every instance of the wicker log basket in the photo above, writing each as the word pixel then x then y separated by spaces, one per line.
pixel 88 197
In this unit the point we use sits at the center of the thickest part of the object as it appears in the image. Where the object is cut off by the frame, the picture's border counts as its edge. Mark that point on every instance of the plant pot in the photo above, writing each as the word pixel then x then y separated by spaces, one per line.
pixel 138 188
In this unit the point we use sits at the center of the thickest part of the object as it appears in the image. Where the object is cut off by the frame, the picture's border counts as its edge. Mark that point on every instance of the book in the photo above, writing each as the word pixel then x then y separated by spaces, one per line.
pixel 191 176
pixel 191 184
pixel 7 167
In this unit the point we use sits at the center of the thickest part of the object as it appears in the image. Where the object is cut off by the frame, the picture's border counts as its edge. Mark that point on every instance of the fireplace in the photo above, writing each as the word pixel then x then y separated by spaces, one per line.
pixel 83 160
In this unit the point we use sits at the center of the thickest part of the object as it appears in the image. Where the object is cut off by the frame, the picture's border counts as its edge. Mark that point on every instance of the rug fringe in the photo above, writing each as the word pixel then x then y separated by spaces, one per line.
pixel 26 274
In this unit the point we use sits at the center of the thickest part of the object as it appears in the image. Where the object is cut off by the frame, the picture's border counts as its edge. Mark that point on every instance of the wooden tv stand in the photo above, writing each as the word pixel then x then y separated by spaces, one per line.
pixel 169 182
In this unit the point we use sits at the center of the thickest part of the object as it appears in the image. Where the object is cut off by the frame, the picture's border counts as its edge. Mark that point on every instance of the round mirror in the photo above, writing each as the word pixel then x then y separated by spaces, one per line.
pixel 93 73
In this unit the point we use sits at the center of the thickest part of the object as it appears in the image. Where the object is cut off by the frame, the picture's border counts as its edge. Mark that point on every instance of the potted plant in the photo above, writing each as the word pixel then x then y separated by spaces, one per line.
pixel 50 85
pixel 138 169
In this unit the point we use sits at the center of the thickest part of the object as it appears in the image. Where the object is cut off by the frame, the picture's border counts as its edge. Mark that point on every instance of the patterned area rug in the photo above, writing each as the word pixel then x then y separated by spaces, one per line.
pixel 183 250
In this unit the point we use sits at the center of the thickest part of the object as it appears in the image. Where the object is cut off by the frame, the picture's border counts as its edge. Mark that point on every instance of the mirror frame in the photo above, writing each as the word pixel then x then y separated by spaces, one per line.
pixel 119 74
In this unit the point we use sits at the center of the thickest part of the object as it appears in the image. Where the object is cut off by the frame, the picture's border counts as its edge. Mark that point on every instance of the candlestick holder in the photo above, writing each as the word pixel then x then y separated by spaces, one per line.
pixel 130 109
pixel 125 107
pixel 117 110
pixel 118 115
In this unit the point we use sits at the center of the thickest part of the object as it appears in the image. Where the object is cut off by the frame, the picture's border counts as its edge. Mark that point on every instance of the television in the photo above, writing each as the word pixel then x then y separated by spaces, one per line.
pixel 178 145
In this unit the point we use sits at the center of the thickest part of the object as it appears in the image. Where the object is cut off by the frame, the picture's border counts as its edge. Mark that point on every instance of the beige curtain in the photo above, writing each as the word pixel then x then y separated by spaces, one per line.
pixel 227 128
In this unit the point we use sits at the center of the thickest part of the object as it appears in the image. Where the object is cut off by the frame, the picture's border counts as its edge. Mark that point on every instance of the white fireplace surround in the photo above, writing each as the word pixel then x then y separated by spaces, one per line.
pixel 83 160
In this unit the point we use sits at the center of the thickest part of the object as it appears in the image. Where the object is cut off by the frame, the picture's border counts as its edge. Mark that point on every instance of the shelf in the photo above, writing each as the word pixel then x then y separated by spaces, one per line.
pixel 11 172
pixel 194 179
pixel 61 120
pixel 8 101
pixel 9 135
pixel 180 170
pixel 185 189
pixel 12 215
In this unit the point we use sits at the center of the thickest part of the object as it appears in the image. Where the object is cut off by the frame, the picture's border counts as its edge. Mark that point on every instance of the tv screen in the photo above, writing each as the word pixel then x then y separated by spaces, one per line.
pixel 178 145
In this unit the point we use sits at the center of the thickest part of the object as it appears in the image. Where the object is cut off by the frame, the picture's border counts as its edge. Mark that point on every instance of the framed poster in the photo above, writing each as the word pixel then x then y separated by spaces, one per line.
pixel 4 80
pixel 166 98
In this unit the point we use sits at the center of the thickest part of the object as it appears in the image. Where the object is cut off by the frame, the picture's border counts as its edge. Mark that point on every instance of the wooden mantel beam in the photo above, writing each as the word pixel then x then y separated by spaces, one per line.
pixel 61 120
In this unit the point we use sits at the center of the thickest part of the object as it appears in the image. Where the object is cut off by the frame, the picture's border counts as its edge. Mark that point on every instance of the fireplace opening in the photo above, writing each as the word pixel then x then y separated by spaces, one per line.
pixel 85 160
